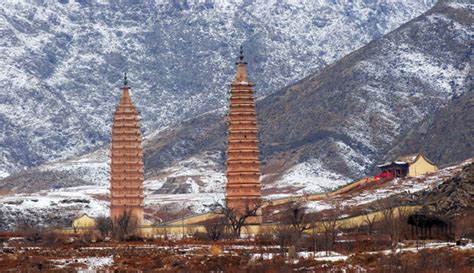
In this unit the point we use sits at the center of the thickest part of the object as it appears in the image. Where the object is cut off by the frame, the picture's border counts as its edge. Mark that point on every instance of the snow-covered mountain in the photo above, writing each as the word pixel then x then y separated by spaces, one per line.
pixel 337 124
pixel 62 61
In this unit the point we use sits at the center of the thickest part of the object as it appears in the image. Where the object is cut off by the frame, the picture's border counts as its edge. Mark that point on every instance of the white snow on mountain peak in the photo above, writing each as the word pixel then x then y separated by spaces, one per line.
pixel 62 61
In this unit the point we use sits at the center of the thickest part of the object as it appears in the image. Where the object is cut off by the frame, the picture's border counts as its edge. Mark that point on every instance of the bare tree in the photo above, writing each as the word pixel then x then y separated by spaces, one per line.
pixel 284 235
pixel 104 226
pixel 215 228
pixel 32 232
pixel 294 222
pixel 329 226
pixel 317 219
pixel 296 216
pixel 51 238
pixel 370 221
pixel 237 219
pixel 391 222
pixel 125 225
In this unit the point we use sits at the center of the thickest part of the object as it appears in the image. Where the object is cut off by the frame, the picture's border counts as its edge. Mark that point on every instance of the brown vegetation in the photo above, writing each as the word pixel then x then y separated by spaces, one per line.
pixel 224 256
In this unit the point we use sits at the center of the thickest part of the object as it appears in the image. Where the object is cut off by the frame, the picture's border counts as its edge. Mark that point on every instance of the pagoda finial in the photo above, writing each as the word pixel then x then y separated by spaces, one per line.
pixel 241 75
pixel 241 57
pixel 125 81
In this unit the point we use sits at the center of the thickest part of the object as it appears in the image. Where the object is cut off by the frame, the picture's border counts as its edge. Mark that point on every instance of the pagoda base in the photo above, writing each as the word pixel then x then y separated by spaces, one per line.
pixel 240 204
pixel 136 212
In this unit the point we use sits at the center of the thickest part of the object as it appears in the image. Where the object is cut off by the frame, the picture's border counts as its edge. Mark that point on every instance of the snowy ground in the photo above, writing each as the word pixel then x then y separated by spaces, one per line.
pixel 198 174
pixel 331 256
pixel 3 174
pixel 93 167
pixel 92 200
pixel 324 256
pixel 307 177
pixel 54 206
pixel 196 202
pixel 92 263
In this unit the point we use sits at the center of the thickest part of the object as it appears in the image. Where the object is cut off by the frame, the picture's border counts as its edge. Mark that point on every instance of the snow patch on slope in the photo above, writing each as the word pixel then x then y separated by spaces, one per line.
pixel 464 6
pixel 308 177
pixel 428 70
pixel 54 207
pixel 94 167
pixel 200 174
pixel 195 202
pixel 3 174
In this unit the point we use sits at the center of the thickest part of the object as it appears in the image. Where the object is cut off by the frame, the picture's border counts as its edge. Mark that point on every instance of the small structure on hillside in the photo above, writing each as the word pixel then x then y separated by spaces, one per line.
pixel 408 165
pixel 84 222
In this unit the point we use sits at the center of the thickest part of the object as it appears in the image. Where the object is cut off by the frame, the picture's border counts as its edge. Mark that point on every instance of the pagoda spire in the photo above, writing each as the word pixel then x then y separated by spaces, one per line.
pixel 241 56
pixel 125 80
pixel 243 163
pixel 241 76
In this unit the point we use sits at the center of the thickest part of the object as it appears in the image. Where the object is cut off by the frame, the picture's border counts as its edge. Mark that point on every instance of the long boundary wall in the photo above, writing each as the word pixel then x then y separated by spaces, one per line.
pixel 188 226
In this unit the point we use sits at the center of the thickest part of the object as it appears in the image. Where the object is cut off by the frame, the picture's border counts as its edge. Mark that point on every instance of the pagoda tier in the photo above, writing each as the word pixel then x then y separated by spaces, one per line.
pixel 243 164
pixel 126 167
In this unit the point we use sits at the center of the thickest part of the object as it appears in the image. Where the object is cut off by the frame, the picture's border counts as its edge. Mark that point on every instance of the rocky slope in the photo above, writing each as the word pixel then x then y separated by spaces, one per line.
pixel 447 135
pixel 453 198
pixel 62 61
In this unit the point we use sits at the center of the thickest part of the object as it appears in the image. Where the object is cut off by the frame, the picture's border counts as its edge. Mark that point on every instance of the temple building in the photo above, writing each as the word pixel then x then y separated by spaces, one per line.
pixel 243 164
pixel 126 167
pixel 408 165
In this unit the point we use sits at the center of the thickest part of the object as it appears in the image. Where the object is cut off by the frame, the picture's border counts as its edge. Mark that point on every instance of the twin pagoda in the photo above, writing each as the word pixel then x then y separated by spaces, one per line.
pixel 126 166
pixel 243 164
pixel 243 155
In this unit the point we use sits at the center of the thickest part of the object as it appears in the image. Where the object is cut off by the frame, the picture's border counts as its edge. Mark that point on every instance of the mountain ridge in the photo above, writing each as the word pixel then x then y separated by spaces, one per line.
pixel 298 157
pixel 63 61
pixel 344 130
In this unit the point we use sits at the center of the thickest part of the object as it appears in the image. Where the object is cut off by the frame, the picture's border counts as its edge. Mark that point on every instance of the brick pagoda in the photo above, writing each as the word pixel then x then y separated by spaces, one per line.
pixel 126 168
pixel 243 164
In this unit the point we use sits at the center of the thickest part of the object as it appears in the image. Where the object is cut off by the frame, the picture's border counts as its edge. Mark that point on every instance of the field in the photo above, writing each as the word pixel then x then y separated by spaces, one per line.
pixel 66 254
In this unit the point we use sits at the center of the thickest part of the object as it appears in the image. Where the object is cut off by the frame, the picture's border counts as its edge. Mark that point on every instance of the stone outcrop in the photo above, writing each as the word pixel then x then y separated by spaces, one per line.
pixel 454 197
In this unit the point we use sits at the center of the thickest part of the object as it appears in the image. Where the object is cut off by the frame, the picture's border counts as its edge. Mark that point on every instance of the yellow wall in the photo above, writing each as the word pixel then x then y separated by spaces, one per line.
pixel 85 223
pixel 351 222
pixel 193 219
pixel 166 230
pixel 421 167
pixel 315 196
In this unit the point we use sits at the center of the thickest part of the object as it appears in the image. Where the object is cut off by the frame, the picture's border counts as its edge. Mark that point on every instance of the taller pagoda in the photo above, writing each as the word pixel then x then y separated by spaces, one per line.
pixel 243 164
pixel 126 168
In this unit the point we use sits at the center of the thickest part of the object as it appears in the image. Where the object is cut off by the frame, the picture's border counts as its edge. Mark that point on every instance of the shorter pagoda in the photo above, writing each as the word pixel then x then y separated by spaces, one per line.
pixel 126 167
pixel 243 164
